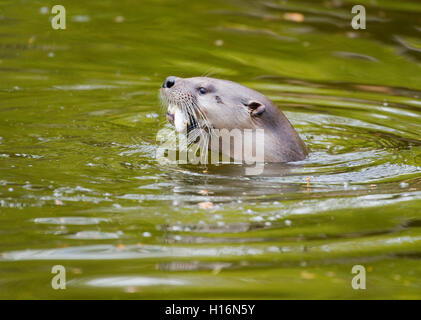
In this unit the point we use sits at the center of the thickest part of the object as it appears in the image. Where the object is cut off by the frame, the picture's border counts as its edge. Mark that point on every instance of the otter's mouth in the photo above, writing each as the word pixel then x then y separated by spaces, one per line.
pixel 182 120
pixel 184 114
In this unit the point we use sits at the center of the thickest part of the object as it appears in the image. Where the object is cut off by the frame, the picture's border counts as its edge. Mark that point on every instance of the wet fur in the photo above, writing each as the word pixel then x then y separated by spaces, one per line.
pixel 229 105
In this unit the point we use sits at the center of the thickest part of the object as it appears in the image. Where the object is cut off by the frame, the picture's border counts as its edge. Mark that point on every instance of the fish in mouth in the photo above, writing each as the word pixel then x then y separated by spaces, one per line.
pixel 185 114
pixel 182 120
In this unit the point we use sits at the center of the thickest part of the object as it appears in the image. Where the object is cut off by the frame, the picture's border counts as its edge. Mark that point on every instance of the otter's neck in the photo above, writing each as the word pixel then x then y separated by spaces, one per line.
pixel 282 142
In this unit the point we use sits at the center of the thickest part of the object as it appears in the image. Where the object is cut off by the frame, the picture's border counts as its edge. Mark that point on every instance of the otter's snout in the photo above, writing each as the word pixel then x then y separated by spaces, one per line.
pixel 169 82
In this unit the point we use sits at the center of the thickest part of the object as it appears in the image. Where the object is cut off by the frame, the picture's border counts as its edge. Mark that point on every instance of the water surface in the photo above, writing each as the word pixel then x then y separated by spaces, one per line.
pixel 80 185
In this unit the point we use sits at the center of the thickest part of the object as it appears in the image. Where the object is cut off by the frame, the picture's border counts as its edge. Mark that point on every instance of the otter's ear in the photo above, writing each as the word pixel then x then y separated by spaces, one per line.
pixel 256 108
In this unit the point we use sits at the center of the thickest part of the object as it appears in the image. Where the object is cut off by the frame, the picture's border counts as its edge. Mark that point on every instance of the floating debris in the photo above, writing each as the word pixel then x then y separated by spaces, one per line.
pixel 206 205
pixel 294 16
pixel 119 19
pixel 219 43
pixel 307 275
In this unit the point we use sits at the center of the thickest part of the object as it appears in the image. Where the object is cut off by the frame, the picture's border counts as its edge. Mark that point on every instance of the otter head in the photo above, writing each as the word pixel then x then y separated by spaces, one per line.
pixel 203 101
pixel 206 103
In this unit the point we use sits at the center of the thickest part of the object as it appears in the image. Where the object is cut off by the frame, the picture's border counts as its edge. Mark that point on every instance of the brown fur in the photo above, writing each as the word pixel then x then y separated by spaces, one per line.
pixel 229 105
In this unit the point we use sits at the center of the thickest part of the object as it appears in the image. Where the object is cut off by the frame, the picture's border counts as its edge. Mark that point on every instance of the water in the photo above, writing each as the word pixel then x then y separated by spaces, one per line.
pixel 80 186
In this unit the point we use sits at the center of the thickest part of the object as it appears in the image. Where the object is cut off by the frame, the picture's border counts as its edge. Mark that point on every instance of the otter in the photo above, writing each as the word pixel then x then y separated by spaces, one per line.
pixel 201 104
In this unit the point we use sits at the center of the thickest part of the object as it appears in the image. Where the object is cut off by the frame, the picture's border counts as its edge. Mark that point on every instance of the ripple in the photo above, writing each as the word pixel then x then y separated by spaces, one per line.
pixel 95 235
pixel 70 220
pixel 134 281
pixel 109 252
pixel 84 87
pixel 373 200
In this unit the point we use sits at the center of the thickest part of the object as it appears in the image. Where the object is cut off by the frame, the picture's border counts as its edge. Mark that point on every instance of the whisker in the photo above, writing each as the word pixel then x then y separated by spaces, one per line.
pixel 199 128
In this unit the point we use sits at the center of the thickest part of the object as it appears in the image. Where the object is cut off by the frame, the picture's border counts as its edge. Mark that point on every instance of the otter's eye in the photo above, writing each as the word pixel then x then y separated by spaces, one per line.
pixel 203 90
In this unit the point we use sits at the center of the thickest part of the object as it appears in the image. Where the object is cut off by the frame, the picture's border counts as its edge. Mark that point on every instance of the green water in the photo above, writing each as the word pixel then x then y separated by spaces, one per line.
pixel 80 185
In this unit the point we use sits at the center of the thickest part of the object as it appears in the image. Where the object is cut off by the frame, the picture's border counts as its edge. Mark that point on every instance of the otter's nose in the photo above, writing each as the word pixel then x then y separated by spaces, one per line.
pixel 169 82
